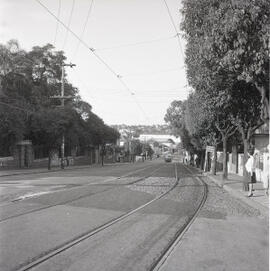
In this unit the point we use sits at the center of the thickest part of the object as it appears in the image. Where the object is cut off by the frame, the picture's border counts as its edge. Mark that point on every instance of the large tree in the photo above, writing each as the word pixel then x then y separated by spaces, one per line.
pixel 227 42
pixel 245 114
pixel 30 83
pixel 175 117
pixel 229 37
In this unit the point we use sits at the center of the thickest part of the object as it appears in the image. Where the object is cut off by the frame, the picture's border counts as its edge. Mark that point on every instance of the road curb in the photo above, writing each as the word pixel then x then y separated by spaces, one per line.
pixel 263 210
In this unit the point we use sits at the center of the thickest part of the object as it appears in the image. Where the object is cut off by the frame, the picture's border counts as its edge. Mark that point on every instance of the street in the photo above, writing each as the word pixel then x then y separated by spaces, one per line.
pixel 134 135
pixel 117 217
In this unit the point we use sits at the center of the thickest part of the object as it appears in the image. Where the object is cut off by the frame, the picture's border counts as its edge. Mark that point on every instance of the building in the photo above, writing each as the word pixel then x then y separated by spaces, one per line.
pixel 161 143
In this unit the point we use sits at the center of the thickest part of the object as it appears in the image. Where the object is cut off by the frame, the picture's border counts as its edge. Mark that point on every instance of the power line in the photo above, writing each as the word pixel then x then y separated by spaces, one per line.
pixel 154 72
pixel 135 44
pixel 57 24
pixel 175 28
pixel 69 22
pixel 171 90
pixel 84 26
pixel 92 50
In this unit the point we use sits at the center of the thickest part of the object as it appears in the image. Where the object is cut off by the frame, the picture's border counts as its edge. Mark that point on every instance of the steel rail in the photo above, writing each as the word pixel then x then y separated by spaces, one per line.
pixel 50 254
pixel 51 171
pixel 179 235
pixel 105 183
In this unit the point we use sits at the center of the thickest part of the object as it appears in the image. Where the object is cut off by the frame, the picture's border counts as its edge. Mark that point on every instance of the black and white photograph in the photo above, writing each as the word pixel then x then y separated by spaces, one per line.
pixel 134 135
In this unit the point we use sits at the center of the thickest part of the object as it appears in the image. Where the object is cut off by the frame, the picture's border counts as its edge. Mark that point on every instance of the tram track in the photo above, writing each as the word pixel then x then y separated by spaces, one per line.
pixel 104 183
pixel 86 235
pixel 52 171
pixel 160 261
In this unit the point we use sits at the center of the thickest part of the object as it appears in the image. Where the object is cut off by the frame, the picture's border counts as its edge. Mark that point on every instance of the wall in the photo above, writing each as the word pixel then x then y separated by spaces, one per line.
pixel 7 162
pixel 261 166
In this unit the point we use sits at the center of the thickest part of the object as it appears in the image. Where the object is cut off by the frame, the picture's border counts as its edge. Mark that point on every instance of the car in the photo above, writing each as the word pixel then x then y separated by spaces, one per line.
pixel 168 157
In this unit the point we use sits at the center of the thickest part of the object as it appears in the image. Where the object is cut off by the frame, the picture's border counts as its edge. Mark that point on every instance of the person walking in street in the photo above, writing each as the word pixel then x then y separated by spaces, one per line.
pixel 250 167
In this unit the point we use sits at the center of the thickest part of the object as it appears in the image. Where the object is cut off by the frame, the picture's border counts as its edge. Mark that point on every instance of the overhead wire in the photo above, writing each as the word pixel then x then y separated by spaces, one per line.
pixel 57 24
pixel 175 28
pixel 154 72
pixel 69 22
pixel 172 90
pixel 135 43
pixel 84 26
pixel 92 50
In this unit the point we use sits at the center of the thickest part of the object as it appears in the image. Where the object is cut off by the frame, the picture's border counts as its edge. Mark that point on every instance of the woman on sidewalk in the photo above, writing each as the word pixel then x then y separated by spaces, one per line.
pixel 250 167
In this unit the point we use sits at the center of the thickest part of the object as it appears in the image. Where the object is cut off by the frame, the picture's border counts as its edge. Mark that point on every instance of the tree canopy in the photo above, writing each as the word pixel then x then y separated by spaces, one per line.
pixel 28 83
pixel 227 65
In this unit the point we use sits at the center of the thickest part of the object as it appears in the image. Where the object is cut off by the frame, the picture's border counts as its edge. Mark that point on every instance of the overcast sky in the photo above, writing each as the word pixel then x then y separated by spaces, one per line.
pixel 135 38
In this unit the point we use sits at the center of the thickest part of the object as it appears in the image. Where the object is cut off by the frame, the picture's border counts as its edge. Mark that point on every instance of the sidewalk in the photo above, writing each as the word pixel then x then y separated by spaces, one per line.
pixel 234 185
pixel 227 234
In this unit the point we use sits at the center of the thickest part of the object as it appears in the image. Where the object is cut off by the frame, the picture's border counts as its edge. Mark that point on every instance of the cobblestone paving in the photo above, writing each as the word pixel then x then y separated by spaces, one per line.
pixel 188 192
pixel 186 186
pixel 220 204
pixel 153 185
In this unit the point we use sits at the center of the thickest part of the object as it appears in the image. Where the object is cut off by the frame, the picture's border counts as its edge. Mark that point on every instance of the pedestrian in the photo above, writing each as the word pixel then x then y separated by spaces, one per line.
pixel 250 167
pixel 196 158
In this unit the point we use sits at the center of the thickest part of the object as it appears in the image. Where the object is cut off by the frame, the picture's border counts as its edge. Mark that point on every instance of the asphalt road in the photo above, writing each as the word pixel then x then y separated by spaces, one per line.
pixel 42 212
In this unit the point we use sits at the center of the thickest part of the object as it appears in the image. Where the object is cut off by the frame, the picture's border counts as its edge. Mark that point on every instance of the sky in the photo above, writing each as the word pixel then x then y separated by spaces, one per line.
pixel 130 65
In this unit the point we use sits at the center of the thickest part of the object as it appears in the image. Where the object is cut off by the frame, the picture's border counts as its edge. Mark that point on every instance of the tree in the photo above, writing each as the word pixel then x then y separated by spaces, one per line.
pixel 244 32
pixel 246 115
pixel 217 33
pixel 28 81
pixel 175 117
pixel 12 127
pixel 137 146
pixel 47 126
pixel 200 123
pixel 229 37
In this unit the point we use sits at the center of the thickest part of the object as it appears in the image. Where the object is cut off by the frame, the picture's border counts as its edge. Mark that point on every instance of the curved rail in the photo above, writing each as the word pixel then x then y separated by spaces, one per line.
pixel 50 254
pixel 179 235
pixel 84 196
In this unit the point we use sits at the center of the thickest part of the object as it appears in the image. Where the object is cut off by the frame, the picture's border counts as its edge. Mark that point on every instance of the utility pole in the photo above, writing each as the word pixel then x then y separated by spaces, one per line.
pixel 62 97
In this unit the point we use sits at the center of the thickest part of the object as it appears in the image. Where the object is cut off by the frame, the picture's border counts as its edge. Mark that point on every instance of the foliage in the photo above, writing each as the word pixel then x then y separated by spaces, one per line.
pixel 246 108
pixel 227 45
pixel 29 81
pixel 137 146
pixel 228 38
pixel 175 117
pixel 137 130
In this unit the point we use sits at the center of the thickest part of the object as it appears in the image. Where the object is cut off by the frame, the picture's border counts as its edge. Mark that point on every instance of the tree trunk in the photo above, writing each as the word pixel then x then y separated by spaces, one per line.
pixel 202 155
pixel 245 173
pixel 102 157
pixel 113 155
pixel 225 167
pixel 264 103
pixel 214 165
pixel 49 160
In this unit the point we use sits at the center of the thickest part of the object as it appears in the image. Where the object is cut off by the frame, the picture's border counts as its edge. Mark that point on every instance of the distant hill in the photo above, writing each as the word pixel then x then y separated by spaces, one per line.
pixel 137 130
